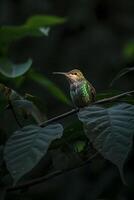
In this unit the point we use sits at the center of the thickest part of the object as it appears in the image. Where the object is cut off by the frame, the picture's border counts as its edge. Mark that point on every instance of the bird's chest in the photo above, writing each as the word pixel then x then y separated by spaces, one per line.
pixel 79 94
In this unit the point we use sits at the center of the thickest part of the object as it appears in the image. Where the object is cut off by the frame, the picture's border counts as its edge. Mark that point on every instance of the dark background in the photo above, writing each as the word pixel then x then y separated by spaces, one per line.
pixel 98 38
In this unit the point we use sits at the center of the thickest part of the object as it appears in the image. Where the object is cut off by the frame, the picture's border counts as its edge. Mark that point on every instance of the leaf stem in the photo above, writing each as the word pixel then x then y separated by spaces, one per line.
pixel 62 116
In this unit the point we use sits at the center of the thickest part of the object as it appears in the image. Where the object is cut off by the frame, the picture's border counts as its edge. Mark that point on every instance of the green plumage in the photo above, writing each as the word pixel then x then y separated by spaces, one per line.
pixel 82 93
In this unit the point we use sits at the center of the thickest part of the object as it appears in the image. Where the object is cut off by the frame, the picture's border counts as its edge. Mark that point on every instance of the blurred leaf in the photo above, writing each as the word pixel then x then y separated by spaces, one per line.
pixel 27 146
pixel 9 93
pixel 30 28
pixel 27 107
pixel 110 130
pixel 24 106
pixel 52 88
pixel 44 20
pixel 79 146
pixel 128 50
pixel 121 73
pixel 11 70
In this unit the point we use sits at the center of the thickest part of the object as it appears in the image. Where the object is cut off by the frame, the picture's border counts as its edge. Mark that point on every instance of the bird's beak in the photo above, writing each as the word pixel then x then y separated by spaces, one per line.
pixel 62 73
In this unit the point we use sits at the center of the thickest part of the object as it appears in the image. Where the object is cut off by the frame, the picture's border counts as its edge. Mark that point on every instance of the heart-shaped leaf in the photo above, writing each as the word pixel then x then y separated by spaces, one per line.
pixel 27 146
pixel 11 70
pixel 110 130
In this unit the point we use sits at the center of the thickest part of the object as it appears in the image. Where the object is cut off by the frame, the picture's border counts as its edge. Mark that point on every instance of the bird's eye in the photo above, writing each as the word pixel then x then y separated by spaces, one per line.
pixel 75 73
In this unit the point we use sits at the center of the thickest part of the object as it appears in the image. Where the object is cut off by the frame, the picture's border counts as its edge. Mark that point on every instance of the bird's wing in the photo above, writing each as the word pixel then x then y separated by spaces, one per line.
pixel 93 91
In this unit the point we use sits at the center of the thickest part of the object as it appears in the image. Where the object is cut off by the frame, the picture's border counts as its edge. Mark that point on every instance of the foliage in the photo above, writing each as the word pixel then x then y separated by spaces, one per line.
pixel 107 130
pixel 35 26
pixel 31 28
pixel 111 131
pixel 27 146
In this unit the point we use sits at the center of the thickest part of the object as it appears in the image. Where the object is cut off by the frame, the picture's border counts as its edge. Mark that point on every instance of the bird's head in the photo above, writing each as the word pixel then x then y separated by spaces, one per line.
pixel 73 75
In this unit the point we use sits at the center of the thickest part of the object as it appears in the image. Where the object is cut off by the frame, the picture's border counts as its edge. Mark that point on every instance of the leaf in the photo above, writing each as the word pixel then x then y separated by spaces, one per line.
pixel 44 20
pixel 121 73
pixel 9 93
pixel 30 28
pixel 79 146
pixel 128 50
pixel 11 70
pixel 53 89
pixel 29 108
pixel 111 131
pixel 25 148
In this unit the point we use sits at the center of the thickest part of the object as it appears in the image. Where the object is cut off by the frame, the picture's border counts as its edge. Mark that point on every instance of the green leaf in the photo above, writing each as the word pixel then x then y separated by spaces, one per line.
pixel 79 146
pixel 30 28
pixel 11 70
pixel 121 73
pixel 29 108
pixel 27 146
pixel 128 50
pixel 44 20
pixel 52 88
pixel 111 131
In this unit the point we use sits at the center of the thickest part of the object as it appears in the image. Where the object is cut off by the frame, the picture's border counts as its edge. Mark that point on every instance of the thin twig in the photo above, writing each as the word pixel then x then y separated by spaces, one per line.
pixel 110 99
pixel 62 116
pixel 50 176
pixel 14 114
pixel 73 111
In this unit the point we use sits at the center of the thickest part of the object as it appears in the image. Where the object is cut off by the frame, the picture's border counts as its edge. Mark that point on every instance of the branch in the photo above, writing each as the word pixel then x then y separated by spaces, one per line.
pixel 114 98
pixel 50 176
pixel 62 116
pixel 75 110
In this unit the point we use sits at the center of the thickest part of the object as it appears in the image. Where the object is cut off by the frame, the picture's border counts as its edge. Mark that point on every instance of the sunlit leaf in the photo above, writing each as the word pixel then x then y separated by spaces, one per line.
pixel 52 88
pixel 111 131
pixel 27 146
pixel 12 70
pixel 45 31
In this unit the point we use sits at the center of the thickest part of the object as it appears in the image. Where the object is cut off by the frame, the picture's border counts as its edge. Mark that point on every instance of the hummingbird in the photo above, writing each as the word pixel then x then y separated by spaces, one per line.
pixel 81 90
